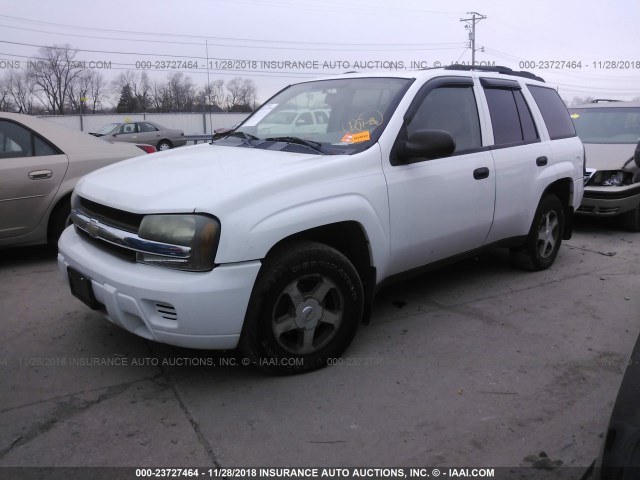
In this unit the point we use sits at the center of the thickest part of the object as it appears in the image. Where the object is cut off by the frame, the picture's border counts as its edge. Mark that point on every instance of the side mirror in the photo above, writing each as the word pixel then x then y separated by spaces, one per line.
pixel 636 155
pixel 426 144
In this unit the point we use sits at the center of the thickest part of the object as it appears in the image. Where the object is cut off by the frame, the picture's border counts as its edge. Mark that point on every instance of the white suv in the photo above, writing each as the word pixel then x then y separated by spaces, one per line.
pixel 276 245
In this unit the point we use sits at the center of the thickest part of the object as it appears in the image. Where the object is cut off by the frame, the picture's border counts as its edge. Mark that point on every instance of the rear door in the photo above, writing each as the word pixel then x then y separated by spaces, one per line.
pixel 520 158
pixel 31 171
pixel 147 133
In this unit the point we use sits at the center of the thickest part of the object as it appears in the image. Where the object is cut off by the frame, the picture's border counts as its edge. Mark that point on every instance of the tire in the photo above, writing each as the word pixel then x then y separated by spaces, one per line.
pixel 59 220
pixel 164 145
pixel 631 220
pixel 304 309
pixel 545 236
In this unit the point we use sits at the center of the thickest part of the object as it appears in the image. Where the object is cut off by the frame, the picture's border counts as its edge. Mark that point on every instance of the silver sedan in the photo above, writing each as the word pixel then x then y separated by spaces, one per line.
pixel 143 132
pixel 40 163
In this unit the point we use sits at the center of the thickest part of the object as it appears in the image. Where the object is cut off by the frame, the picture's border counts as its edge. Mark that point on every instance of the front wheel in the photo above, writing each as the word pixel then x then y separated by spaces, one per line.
pixel 304 310
pixel 545 236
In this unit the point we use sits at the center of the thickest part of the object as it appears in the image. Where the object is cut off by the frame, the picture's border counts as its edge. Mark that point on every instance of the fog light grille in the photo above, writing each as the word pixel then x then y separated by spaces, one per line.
pixel 166 311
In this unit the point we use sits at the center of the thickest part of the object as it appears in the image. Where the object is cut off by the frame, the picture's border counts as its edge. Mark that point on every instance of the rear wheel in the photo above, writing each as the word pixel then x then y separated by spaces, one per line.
pixel 59 220
pixel 545 236
pixel 304 310
pixel 631 220
pixel 164 145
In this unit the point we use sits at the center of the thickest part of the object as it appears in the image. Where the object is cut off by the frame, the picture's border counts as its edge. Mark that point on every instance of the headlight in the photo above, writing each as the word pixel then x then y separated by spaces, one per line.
pixel 198 232
pixel 610 178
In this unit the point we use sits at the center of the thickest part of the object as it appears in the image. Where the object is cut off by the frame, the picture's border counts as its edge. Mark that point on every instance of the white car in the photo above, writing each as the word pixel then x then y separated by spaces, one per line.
pixel 40 163
pixel 277 245
pixel 298 122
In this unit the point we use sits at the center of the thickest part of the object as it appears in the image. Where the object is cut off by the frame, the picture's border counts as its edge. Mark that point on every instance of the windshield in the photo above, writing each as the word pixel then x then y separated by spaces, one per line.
pixel 107 128
pixel 331 116
pixel 607 125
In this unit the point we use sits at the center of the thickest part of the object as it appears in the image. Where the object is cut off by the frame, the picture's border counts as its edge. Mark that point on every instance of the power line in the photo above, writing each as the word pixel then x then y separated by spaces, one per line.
pixel 341 45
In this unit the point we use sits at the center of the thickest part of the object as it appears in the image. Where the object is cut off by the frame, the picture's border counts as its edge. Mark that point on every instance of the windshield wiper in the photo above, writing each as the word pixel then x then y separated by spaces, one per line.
pixel 317 146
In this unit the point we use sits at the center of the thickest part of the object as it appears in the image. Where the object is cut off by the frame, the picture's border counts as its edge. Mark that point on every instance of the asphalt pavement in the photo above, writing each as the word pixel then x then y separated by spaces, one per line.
pixel 475 364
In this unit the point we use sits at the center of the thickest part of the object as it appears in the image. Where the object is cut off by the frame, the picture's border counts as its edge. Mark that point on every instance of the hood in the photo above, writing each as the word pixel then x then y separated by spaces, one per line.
pixel 608 156
pixel 201 177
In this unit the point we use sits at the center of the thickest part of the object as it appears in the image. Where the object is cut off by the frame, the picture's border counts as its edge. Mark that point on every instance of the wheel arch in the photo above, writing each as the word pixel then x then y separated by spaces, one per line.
pixel 66 198
pixel 563 189
pixel 350 239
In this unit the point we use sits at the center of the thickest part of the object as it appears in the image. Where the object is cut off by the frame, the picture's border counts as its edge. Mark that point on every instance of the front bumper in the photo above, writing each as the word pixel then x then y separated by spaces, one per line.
pixel 187 309
pixel 609 201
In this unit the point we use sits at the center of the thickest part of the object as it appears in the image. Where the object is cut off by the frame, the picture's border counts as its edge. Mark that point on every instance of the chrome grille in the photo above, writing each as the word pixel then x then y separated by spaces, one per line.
pixel 117 231
pixel 127 221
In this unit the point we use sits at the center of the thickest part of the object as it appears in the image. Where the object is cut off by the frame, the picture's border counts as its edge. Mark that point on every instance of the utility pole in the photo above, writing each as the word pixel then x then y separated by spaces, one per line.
pixel 471 25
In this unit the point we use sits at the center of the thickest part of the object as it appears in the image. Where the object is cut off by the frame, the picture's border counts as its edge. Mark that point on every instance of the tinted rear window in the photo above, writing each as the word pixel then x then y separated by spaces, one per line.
pixel 554 112
pixel 510 116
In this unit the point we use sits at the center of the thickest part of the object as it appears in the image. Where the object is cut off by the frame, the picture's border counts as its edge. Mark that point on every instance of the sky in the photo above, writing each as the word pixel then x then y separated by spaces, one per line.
pixel 586 48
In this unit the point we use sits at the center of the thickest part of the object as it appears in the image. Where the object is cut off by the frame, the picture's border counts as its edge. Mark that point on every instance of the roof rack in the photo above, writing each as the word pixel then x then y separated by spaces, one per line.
pixel 496 68
pixel 601 100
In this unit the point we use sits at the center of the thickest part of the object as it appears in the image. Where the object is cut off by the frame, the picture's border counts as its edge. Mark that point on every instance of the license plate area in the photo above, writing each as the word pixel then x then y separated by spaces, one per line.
pixel 82 289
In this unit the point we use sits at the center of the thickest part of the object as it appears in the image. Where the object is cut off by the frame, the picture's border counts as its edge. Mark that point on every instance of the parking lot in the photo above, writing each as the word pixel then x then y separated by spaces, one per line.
pixel 476 364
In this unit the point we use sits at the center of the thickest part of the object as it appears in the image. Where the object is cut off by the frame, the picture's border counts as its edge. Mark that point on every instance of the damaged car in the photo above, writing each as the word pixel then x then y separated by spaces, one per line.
pixel 610 131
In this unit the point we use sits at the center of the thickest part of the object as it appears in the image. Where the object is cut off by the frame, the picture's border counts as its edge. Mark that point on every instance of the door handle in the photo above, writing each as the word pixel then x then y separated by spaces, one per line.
pixel 40 174
pixel 480 173
pixel 541 161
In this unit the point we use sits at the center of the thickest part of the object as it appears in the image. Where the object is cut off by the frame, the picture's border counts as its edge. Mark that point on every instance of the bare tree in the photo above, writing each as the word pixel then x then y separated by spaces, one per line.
pixel 5 95
pixel 97 91
pixel 182 91
pixel 21 87
pixel 139 84
pixel 160 97
pixel 241 94
pixel 213 94
pixel 53 74
pixel 89 86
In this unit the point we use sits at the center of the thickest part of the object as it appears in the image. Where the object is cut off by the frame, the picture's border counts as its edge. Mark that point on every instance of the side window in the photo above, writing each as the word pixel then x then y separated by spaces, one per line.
pixel 304 119
pixel 146 127
pixel 554 112
pixel 452 109
pixel 321 117
pixel 43 148
pixel 510 116
pixel 529 130
pixel 127 128
pixel 15 141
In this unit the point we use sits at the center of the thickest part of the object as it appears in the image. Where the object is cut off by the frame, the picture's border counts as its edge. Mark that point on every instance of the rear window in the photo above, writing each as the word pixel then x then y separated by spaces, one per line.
pixel 510 117
pixel 554 112
pixel 607 125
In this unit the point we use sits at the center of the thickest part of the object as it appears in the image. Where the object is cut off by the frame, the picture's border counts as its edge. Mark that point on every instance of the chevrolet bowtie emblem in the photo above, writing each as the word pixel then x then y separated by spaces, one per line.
pixel 93 228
